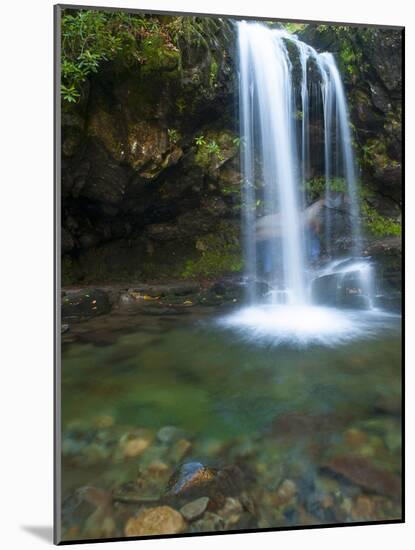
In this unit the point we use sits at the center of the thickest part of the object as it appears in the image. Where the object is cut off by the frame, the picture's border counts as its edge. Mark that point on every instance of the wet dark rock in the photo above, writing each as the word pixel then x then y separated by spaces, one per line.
pixel 106 179
pixel 177 288
pixel 228 290
pixel 340 289
pixel 262 288
pixel 131 167
pixel 223 291
pixel 389 302
pixel 163 232
pixel 67 241
pixel 84 304
pixel 191 478
pixel 196 479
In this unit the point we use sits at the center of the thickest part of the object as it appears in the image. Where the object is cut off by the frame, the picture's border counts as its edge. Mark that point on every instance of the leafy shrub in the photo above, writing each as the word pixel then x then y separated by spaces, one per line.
pixel 91 38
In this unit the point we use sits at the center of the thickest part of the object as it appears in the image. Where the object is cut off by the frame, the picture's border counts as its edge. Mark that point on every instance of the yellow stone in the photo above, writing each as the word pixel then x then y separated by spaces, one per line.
pixel 162 520
pixel 135 447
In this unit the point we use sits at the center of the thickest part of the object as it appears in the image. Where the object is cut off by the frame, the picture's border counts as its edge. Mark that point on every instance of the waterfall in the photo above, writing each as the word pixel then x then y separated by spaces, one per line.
pixel 268 137
pixel 275 159
pixel 342 122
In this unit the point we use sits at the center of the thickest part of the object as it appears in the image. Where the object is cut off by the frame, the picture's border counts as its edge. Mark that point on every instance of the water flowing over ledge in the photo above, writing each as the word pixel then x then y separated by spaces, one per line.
pixel 311 300
pixel 277 239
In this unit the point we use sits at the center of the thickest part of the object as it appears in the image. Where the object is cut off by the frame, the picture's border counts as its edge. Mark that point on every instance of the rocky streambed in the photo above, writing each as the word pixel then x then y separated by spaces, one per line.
pixel 171 425
pixel 154 484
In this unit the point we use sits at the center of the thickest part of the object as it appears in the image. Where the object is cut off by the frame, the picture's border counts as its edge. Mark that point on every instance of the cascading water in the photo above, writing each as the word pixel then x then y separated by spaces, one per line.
pixel 335 92
pixel 267 114
pixel 278 228
pixel 267 128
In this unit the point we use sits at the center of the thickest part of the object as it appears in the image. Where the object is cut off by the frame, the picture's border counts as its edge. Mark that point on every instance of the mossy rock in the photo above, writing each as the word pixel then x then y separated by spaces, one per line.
pixel 144 146
pixel 219 254
pixel 218 147
pixel 159 56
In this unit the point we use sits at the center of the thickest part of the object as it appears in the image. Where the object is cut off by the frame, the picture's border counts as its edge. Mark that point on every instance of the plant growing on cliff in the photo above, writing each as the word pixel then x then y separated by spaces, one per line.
pixel 208 149
pixel 237 141
pixel 91 38
pixel 200 140
pixel 173 135
pixel 213 149
pixel 86 41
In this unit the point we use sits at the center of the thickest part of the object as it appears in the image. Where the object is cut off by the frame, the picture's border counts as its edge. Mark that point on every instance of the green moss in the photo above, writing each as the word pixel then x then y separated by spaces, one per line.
pixel 294 27
pixel 158 56
pixel 378 225
pixel 220 253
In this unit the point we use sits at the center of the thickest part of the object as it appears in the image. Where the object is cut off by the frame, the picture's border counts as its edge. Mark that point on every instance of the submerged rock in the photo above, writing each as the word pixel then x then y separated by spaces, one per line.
pixel 231 512
pixel 100 523
pixel 168 434
pixel 367 475
pixel 135 447
pixel 196 479
pixel 191 477
pixel 363 508
pixel 286 491
pixel 194 509
pixel 209 522
pixel 161 520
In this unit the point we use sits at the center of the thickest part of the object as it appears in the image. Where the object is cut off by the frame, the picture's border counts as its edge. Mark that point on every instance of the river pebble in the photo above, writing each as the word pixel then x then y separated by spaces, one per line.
pixel 195 509
pixel 161 520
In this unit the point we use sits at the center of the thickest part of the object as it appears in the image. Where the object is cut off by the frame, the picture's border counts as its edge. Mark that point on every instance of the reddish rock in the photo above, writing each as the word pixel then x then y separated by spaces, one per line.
pixel 364 473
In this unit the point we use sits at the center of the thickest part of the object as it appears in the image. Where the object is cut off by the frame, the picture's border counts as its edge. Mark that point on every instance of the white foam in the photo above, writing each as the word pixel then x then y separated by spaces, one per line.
pixel 303 325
